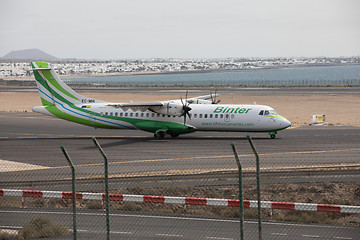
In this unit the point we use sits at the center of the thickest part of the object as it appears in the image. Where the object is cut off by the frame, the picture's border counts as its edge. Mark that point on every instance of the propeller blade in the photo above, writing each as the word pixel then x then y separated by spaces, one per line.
pixel 186 109
pixel 188 115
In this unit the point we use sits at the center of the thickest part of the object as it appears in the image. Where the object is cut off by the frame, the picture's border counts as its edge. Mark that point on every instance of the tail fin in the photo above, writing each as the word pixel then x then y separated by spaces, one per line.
pixel 53 90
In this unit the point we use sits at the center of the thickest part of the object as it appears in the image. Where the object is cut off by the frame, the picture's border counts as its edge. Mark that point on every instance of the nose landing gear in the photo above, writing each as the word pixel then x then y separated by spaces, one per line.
pixel 272 134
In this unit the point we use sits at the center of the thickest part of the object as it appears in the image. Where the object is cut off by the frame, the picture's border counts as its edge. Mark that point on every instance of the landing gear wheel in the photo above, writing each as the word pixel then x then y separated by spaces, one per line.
pixel 159 135
pixel 272 136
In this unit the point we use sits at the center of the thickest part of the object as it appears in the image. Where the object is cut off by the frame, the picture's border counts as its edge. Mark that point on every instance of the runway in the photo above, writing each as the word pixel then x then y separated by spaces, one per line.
pixel 31 158
pixel 34 140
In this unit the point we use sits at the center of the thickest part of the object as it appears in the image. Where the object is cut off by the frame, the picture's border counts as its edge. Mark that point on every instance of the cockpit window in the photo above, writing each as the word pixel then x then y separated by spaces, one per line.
pixel 270 112
pixel 261 112
pixel 273 112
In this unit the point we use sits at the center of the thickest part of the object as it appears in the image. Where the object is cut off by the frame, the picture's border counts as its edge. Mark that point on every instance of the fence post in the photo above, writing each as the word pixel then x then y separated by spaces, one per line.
pixel 241 202
pixel 258 184
pixel 107 205
pixel 73 190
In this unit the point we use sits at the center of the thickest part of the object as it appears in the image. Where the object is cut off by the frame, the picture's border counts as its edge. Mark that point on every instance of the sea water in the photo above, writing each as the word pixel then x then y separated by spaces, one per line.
pixel 345 75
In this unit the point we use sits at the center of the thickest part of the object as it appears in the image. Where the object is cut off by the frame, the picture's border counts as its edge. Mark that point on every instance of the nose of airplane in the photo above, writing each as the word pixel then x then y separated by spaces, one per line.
pixel 285 123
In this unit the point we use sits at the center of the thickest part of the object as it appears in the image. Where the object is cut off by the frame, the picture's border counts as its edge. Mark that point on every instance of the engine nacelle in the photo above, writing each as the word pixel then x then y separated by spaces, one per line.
pixel 169 108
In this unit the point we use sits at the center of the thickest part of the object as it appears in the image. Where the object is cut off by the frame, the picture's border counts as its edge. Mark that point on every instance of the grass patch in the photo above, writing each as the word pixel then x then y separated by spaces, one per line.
pixel 42 228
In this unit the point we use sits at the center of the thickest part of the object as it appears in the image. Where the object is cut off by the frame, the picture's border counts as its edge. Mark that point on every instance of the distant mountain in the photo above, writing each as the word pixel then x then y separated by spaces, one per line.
pixel 32 54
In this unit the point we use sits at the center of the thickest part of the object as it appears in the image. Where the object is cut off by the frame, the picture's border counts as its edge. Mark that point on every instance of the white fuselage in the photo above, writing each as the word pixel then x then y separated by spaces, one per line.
pixel 204 117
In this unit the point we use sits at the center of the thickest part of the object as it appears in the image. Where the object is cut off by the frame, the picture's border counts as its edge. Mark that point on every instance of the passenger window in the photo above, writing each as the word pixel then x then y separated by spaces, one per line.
pixel 200 115
pixel 158 115
pixel 116 114
pixel 195 115
pixel 205 116
pixel 142 114
pixel 126 114
pixel 131 114
pixel 101 114
pixel 121 114
pixel 210 116
pixel 153 115
pixel 216 116
pixel 136 114
pixel 106 114
pixel 226 115
pixel 221 115
pixel 261 112
pixel 232 116
pixel 111 114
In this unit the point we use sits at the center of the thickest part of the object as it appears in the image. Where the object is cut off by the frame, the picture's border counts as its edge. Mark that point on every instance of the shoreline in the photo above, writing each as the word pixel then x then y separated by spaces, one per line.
pixel 28 78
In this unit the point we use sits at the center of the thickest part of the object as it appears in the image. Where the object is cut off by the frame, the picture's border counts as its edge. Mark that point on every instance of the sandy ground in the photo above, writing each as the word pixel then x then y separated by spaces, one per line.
pixel 339 109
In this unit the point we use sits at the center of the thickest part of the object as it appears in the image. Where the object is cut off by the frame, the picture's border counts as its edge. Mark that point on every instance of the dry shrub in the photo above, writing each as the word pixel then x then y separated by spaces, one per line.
pixel 41 227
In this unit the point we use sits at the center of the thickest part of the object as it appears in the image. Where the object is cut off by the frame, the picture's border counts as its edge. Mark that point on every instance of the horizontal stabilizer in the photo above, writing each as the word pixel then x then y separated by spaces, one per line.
pixel 41 69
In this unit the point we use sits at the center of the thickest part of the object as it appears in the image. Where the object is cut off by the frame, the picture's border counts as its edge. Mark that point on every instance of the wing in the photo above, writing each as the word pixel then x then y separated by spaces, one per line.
pixel 137 106
pixel 203 99
pixel 172 107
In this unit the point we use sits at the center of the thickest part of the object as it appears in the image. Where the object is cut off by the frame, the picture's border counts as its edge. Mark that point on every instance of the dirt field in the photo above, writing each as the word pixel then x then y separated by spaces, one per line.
pixel 339 109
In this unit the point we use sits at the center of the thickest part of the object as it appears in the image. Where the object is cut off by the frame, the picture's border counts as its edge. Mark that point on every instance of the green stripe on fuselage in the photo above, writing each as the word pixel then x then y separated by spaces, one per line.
pixel 58 113
pixel 277 116
pixel 142 124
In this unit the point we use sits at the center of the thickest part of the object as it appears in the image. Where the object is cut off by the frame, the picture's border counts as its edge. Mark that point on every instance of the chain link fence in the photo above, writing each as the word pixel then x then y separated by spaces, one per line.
pixel 184 188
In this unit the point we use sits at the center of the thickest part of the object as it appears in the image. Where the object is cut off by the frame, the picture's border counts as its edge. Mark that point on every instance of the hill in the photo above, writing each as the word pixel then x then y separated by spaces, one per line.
pixel 29 54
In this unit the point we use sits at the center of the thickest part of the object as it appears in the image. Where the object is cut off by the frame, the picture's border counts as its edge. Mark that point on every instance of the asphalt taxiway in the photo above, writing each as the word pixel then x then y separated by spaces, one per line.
pixel 30 153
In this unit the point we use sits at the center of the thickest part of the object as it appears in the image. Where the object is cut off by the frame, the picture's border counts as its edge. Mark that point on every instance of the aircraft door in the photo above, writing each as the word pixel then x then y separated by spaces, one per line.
pixel 92 119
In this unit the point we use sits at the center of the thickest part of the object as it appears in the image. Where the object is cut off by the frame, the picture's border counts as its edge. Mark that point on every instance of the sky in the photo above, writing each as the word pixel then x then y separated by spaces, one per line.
pixel 118 29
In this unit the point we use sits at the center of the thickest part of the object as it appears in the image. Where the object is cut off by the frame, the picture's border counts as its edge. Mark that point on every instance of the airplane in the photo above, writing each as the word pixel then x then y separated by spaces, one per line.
pixel 172 117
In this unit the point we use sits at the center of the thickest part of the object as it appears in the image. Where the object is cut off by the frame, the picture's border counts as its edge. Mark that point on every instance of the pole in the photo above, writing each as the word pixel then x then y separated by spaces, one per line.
pixel 240 192
pixel 107 205
pixel 73 190
pixel 258 184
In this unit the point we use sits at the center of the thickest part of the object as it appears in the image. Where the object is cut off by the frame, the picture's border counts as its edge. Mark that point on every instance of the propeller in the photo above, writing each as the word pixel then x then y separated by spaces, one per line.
pixel 213 99
pixel 186 109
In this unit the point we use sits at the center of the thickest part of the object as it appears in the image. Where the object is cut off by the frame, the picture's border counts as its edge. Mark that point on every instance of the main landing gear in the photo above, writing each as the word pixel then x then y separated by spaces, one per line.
pixel 161 134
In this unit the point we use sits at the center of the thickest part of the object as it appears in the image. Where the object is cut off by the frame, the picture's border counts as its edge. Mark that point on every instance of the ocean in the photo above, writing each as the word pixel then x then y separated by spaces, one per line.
pixel 345 75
